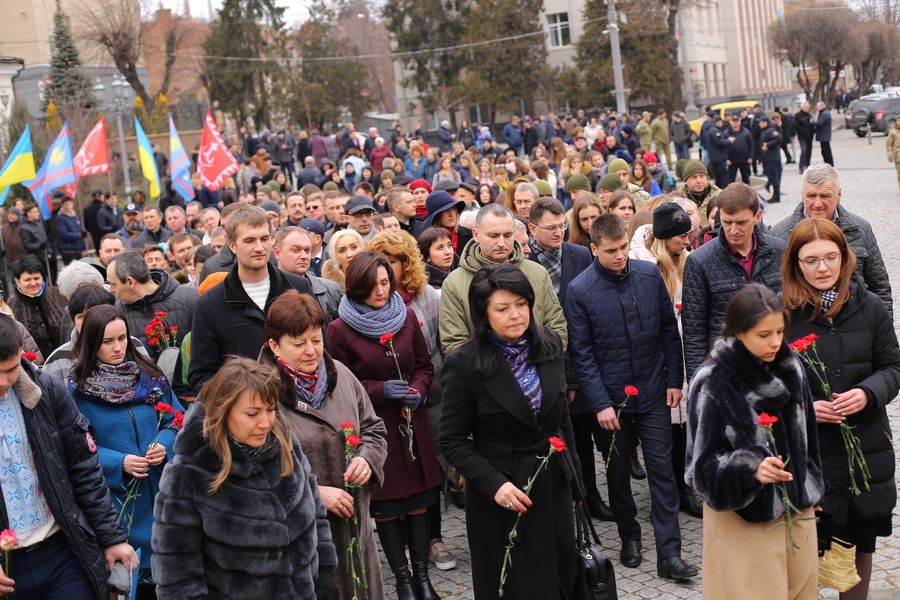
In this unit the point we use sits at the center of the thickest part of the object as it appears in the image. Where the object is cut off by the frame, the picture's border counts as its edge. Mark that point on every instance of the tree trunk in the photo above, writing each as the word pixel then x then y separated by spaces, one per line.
pixel 676 101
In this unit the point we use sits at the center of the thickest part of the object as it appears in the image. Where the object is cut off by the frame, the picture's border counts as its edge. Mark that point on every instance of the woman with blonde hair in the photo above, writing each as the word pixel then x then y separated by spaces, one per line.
pixel 484 167
pixel 663 242
pixel 342 247
pixel 468 166
pixel 576 164
pixel 238 512
pixel 446 171
pixel 585 209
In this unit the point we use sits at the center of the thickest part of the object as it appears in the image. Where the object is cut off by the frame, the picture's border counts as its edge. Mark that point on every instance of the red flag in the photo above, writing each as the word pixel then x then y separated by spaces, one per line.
pixel 93 157
pixel 215 162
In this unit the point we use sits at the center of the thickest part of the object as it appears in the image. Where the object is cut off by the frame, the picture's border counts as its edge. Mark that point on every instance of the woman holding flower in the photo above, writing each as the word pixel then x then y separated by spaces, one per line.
pixel 380 340
pixel 318 394
pixel 858 346
pixel 750 549
pixel 504 396
pixel 131 409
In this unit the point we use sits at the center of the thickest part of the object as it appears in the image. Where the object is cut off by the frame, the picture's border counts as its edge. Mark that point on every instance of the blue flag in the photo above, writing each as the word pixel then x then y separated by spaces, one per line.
pixel 179 161
pixel 58 170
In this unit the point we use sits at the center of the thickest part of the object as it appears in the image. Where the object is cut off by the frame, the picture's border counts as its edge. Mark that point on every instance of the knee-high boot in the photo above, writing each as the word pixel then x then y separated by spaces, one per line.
pixel 393 543
pixel 418 535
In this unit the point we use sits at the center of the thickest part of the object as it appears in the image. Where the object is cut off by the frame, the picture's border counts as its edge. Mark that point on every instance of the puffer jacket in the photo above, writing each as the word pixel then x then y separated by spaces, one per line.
pixel 702 199
pixel 624 333
pixel 726 445
pixel 262 535
pixel 69 473
pixel 456 316
pixel 861 239
pixel 860 349
pixel 176 300
pixel 712 276
pixel 70 233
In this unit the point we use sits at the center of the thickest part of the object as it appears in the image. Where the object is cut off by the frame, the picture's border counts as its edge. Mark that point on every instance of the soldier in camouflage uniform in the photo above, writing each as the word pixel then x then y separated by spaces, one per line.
pixel 659 132
pixel 893 147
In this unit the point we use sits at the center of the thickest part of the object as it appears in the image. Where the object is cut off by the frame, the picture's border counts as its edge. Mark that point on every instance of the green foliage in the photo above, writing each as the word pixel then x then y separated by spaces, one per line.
pixel 418 25
pixel 70 87
pixel 245 29
pixel 318 92
pixel 500 74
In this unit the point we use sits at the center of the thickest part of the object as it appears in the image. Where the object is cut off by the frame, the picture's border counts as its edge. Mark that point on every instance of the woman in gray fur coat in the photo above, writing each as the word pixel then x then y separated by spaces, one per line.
pixel 238 513
pixel 747 548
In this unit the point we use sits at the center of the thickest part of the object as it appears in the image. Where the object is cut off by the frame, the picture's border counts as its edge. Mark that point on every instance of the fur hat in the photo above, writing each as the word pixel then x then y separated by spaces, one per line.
pixel 670 220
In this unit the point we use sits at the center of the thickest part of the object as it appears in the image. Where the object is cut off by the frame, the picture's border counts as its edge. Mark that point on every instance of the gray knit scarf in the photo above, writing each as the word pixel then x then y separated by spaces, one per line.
pixel 374 322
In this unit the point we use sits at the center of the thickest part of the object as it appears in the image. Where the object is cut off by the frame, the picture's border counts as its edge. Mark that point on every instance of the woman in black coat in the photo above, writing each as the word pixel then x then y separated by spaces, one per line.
pixel 858 345
pixel 504 395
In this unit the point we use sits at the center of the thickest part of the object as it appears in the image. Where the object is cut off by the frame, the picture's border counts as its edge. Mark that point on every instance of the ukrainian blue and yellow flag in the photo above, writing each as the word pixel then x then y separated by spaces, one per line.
pixel 19 166
pixel 179 163
pixel 148 164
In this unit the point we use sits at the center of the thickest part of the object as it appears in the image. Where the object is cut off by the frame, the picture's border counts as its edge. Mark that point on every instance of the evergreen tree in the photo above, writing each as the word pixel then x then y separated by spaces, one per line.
pixel 70 87
pixel 249 29
pixel 421 25
pixel 504 73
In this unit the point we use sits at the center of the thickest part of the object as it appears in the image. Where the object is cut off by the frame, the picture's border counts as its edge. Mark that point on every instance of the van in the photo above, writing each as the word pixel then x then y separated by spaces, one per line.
pixel 725 109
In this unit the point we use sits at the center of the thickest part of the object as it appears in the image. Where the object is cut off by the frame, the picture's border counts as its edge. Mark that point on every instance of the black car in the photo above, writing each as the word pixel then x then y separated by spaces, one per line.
pixel 880 113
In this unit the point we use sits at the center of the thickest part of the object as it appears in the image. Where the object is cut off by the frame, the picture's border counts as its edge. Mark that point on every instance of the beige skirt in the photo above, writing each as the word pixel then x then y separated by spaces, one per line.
pixel 743 561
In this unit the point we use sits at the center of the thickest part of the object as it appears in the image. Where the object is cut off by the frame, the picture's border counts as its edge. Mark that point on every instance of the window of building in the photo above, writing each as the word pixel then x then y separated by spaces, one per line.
pixel 558 23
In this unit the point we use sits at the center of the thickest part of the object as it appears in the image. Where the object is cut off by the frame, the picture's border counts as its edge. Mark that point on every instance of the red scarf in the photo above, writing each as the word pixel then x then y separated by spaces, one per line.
pixel 421 211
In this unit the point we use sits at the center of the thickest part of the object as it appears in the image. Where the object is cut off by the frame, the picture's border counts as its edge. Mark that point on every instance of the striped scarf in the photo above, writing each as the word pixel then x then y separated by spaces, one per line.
pixel 516 355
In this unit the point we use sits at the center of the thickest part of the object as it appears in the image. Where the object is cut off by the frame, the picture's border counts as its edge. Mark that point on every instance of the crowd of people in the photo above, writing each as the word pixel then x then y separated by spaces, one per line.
pixel 239 386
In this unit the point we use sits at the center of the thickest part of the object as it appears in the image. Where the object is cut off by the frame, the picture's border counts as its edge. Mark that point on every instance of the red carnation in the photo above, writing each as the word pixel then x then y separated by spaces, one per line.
pixel 630 390
pixel 767 420
pixel 30 356
pixel 163 407
pixel 173 329
pixel 178 420
pixel 160 314
pixel 677 307
pixel 386 339
pixel 421 324
pixel 346 425
pixel 557 443
pixel 153 341
pixel 353 440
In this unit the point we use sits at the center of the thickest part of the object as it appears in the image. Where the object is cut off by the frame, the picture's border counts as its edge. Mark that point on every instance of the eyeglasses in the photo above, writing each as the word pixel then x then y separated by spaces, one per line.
pixel 552 228
pixel 811 264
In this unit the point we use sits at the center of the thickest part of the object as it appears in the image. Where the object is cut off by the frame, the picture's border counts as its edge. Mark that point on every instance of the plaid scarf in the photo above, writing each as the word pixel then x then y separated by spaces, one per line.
pixel 552 261
pixel 828 297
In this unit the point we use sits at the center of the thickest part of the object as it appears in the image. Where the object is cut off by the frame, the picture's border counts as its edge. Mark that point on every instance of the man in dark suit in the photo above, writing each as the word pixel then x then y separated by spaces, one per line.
pixel 90 217
pixel 564 262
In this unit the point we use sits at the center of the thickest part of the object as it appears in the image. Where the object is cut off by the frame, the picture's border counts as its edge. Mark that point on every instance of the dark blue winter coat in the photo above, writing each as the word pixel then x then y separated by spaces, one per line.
pixel 771 136
pixel 445 140
pixel 823 126
pixel 122 429
pixel 623 331
pixel 743 147
pixel 512 135
pixel 717 144
pixel 70 233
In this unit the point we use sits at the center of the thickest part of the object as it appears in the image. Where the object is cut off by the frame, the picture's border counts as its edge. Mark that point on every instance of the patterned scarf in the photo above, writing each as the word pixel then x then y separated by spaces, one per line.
pixel 374 322
pixel 310 388
pixel 828 297
pixel 552 261
pixel 516 355
pixel 118 384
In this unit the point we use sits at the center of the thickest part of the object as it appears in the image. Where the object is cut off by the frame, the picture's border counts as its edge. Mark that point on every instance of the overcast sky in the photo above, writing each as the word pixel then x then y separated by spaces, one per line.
pixel 200 8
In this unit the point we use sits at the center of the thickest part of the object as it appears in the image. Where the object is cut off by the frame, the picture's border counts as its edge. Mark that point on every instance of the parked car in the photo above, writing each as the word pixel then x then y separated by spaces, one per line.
pixel 725 109
pixel 879 113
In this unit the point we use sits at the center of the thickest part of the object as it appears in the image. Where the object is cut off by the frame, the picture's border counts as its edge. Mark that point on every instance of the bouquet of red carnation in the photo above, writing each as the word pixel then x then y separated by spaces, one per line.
pixel 354 547
pixel 158 335
pixel 805 348
pixel 406 428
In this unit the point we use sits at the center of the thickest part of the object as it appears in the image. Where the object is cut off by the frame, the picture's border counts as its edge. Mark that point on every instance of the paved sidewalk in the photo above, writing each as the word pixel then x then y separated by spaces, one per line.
pixel 870 190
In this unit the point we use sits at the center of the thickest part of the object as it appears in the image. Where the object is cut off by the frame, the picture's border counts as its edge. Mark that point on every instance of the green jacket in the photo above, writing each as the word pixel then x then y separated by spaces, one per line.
pixel 456 318
pixel 701 200
pixel 643 131
pixel 659 130
pixel 639 195
pixel 893 144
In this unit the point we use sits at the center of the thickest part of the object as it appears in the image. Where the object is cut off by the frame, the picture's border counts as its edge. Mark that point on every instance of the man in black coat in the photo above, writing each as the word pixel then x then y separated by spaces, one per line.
pixel 803 127
pixel 741 150
pixel 401 204
pixel 717 144
pixel 109 217
pixel 823 132
pixel 230 318
pixel 309 174
pixel 770 140
pixel 90 217
pixel 716 271
pixel 785 120
pixel 69 532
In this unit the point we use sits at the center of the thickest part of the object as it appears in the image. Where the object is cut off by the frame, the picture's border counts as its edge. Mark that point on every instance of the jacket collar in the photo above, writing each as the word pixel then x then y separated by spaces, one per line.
pixel 234 289
pixel 504 388
pixel 609 275
pixel 27 390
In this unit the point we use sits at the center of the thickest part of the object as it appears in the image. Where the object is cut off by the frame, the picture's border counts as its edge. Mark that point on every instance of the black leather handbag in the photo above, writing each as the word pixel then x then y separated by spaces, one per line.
pixel 595 578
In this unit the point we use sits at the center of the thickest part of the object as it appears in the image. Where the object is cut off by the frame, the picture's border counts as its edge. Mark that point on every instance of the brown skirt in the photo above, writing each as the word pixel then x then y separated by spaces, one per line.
pixel 743 561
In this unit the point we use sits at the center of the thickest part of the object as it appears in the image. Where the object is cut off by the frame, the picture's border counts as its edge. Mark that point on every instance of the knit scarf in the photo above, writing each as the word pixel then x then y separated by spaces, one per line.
pixel 422 211
pixel 373 322
pixel 38 295
pixel 516 355
pixel 828 297
pixel 118 384
pixel 310 388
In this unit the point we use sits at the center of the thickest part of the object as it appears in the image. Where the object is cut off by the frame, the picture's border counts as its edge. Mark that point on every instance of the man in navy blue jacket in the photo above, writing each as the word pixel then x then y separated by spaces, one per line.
pixel 823 132
pixel 623 332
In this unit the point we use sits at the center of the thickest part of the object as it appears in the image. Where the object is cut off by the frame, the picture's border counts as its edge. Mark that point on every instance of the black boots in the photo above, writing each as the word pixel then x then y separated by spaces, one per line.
pixel 418 536
pixel 415 586
pixel 393 543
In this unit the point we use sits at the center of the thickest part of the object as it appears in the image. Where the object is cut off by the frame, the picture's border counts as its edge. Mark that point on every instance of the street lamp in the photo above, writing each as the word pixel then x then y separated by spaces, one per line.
pixel 5 98
pixel 121 101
